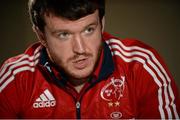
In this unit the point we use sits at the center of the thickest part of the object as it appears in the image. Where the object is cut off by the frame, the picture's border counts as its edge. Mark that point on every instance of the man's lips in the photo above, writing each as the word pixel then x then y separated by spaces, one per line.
pixel 81 63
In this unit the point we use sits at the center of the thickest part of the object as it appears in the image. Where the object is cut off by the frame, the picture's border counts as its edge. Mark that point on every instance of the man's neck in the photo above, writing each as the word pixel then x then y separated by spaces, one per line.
pixel 78 84
pixel 78 88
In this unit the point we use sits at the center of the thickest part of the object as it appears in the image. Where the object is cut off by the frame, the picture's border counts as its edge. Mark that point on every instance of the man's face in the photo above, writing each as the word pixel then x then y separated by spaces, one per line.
pixel 74 45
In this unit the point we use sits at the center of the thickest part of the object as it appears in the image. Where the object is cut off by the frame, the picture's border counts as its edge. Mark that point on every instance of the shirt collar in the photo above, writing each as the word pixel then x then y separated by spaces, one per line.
pixel 106 64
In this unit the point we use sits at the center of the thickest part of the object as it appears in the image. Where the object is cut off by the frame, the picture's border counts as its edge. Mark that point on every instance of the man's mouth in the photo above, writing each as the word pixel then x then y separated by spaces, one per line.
pixel 81 63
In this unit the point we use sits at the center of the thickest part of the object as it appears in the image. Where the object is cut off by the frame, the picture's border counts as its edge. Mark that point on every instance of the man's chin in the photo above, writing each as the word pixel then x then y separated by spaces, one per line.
pixel 80 75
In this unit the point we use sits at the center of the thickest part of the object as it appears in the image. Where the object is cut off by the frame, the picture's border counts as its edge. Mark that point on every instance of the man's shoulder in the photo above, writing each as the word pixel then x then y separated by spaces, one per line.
pixel 128 52
pixel 132 43
pixel 19 64
pixel 30 55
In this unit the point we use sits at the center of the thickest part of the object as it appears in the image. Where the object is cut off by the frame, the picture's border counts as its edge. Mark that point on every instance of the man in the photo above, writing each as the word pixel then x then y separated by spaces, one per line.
pixel 78 71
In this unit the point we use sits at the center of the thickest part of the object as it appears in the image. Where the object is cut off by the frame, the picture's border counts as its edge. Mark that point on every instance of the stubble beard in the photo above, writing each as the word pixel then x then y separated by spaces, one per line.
pixel 73 75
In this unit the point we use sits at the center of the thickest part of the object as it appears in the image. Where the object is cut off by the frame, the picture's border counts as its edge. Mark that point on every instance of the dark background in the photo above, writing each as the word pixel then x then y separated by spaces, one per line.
pixel 155 22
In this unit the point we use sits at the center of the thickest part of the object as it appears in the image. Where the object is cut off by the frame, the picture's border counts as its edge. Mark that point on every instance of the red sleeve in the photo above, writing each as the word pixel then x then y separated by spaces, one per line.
pixel 9 96
pixel 157 93
pixel 9 102
pixel 15 82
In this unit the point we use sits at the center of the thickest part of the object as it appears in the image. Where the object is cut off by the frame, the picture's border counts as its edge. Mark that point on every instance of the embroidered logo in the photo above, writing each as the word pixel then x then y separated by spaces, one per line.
pixel 46 99
pixel 113 91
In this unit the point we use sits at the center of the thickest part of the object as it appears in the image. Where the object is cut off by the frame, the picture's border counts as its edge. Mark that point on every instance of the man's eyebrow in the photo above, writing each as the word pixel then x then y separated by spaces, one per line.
pixel 94 23
pixel 59 31
pixel 66 30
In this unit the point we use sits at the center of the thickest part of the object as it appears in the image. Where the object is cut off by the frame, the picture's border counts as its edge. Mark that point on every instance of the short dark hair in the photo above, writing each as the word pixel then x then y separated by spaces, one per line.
pixel 68 9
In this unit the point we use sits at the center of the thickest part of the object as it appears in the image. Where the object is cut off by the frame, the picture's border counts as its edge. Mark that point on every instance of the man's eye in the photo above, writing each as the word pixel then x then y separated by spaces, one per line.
pixel 63 35
pixel 89 30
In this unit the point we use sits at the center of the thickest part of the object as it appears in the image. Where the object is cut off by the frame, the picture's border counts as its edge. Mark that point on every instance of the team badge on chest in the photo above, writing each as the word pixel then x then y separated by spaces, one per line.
pixel 113 91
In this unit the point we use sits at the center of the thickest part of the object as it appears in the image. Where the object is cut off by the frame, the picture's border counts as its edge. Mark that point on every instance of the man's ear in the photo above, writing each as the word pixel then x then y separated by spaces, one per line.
pixel 103 23
pixel 40 35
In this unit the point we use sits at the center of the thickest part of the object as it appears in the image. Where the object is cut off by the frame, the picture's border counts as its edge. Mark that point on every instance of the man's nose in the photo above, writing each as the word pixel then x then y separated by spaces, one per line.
pixel 78 45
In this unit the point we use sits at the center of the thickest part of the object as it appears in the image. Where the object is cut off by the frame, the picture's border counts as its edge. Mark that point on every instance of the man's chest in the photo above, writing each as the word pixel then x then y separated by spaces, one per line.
pixel 107 99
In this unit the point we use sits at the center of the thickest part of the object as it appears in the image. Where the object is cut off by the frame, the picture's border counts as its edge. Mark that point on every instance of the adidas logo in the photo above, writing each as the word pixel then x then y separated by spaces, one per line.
pixel 46 99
